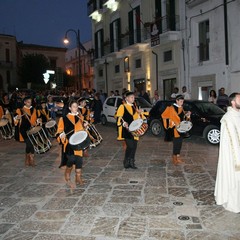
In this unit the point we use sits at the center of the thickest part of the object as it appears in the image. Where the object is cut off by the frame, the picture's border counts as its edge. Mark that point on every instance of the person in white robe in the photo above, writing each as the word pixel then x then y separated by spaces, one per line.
pixel 227 188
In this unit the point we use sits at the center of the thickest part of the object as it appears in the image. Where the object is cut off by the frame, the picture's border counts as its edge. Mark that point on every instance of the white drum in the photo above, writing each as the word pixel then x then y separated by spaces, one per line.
pixel 6 130
pixel 79 141
pixel 184 126
pixel 138 127
pixel 39 139
pixel 51 128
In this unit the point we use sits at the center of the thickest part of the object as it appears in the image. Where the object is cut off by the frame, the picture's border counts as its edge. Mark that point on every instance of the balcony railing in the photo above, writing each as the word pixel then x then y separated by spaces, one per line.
pixel 94 5
pixel 4 64
pixel 168 23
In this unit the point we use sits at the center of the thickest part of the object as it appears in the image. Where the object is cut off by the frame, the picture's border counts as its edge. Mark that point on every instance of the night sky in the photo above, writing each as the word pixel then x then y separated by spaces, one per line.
pixel 45 22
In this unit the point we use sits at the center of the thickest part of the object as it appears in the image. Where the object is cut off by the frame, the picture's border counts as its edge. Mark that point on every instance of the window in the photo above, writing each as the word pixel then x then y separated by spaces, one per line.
pixel 100 73
pixel 7 54
pixel 167 56
pixel 204 41
pixel 138 63
pixel 53 63
pixel 115 32
pixel 8 75
pixel 134 23
pixel 117 68
pixel 119 102
pixel 99 52
pixel 111 102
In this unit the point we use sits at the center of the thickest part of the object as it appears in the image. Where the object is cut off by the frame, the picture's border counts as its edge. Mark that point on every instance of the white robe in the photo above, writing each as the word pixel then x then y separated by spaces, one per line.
pixel 227 188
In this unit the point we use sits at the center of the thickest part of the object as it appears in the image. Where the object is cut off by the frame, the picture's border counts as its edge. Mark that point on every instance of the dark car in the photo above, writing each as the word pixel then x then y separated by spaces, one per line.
pixel 205 118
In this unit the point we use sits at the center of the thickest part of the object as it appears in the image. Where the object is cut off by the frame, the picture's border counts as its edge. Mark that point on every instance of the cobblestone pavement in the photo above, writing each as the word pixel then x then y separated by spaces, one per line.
pixel 156 201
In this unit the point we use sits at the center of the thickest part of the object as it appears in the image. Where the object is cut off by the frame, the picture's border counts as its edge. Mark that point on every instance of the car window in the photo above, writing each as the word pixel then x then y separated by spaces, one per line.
pixel 111 102
pixel 142 103
pixel 119 102
pixel 209 108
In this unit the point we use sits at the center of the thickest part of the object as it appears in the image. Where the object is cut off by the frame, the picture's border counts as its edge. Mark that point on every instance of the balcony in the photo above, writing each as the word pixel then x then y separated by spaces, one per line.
pixel 4 64
pixel 193 3
pixel 95 5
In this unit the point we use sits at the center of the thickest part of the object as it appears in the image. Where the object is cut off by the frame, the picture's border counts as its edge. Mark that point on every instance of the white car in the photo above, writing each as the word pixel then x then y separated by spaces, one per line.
pixel 111 105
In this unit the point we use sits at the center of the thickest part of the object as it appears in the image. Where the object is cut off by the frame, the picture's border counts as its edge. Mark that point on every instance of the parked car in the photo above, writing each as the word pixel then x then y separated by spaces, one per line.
pixel 205 118
pixel 111 105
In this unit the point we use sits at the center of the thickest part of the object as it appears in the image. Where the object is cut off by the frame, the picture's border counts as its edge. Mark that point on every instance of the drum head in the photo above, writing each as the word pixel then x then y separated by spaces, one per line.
pixel 3 122
pixel 34 130
pixel 50 124
pixel 136 124
pixel 78 137
pixel 185 126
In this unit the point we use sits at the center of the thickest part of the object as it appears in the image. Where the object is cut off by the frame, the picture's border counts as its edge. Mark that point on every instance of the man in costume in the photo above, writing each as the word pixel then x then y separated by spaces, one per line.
pixel 67 126
pixel 172 116
pixel 126 114
pixel 227 188
pixel 25 119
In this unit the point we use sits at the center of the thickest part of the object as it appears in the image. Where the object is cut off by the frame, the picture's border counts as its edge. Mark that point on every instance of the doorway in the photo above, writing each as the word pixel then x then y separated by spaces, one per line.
pixel 139 85
pixel 168 85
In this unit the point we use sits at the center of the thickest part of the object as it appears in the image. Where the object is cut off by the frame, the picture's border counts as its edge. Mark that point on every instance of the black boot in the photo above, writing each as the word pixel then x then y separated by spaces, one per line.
pixel 132 164
pixel 126 163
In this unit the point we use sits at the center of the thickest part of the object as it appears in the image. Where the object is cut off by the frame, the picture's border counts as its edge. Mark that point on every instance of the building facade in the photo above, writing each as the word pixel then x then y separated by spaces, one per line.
pixel 127 52
pixel 8 62
pixel 162 44
pixel 212 53
pixel 86 65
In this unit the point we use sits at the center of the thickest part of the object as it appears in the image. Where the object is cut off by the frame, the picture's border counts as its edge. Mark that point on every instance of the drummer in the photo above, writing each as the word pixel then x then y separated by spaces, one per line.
pixel 172 116
pixel 67 126
pixel 126 113
pixel 83 110
pixel 44 114
pixel 26 118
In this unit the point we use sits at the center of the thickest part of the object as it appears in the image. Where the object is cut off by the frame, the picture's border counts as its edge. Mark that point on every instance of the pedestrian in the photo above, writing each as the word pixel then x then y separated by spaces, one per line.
pixel 172 116
pixel 126 114
pixel 222 100
pixel 67 126
pixel 175 93
pixel 97 108
pixel 52 108
pixel 25 119
pixel 212 96
pixel 227 188
pixel 145 95
pixel 156 97
pixel 185 94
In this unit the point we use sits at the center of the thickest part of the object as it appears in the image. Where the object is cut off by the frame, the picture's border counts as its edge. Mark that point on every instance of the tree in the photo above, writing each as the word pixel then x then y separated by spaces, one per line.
pixel 32 68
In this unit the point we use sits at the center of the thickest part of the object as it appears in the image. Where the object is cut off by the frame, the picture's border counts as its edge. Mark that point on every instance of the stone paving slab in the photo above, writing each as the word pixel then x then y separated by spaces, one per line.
pixel 156 201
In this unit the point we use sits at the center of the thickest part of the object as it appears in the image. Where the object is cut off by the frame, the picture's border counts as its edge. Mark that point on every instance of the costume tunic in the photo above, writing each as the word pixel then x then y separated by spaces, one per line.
pixel 227 188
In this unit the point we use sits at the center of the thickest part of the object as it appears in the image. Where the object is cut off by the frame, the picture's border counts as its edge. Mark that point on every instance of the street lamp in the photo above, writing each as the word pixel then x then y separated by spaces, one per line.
pixel 66 41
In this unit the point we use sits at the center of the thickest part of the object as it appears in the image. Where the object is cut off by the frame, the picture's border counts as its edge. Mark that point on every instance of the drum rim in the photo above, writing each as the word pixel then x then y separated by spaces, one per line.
pixel 6 121
pixel 51 121
pixel 31 131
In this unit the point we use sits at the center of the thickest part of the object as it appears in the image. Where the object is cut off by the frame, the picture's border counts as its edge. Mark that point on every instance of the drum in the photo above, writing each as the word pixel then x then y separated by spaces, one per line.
pixel 94 135
pixel 51 128
pixel 6 130
pixel 184 126
pixel 79 141
pixel 138 127
pixel 39 139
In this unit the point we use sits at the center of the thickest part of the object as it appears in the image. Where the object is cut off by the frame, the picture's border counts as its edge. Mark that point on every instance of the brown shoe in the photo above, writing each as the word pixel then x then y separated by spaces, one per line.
pixel 179 160
pixel 174 160
pixel 27 163
pixel 31 160
pixel 78 177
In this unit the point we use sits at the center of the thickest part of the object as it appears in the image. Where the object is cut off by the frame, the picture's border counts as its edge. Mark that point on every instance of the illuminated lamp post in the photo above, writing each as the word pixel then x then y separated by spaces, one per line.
pixel 66 41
